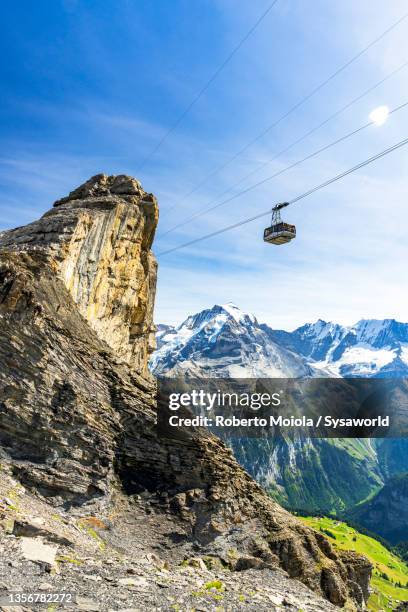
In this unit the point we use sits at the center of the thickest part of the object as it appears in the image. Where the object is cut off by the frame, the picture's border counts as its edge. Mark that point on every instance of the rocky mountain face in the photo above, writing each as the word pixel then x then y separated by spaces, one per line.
pixel 386 512
pixel 98 241
pixel 76 286
pixel 78 431
pixel 370 348
pixel 224 342
pixel 312 475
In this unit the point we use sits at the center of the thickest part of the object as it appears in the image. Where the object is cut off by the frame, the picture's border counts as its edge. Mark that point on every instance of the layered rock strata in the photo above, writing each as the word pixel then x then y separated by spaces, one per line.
pixel 78 409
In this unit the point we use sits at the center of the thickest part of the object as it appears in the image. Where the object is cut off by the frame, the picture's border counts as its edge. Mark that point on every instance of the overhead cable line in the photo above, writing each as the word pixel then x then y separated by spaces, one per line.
pixel 217 202
pixel 296 163
pixel 292 109
pixel 366 162
pixel 206 86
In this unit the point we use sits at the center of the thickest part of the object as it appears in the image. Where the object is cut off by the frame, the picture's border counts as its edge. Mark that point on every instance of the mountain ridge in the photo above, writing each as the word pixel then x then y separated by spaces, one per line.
pixel 229 343
pixel 315 475
pixel 370 347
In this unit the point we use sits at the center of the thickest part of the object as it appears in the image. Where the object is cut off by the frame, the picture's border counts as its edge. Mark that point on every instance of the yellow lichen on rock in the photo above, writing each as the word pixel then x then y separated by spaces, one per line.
pixel 112 279
pixel 100 238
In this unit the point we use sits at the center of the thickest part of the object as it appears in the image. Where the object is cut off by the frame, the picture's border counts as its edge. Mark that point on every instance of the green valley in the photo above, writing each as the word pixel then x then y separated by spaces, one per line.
pixel 313 475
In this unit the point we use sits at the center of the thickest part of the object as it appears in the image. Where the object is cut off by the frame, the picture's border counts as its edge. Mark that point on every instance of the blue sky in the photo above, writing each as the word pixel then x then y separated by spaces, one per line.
pixel 90 86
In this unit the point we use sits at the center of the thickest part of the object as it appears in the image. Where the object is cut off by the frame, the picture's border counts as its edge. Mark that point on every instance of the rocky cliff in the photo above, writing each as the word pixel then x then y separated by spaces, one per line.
pixel 78 408
pixel 97 240
pixel 386 512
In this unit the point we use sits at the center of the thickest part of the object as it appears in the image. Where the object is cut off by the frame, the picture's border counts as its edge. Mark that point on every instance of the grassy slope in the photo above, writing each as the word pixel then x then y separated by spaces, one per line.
pixel 385 592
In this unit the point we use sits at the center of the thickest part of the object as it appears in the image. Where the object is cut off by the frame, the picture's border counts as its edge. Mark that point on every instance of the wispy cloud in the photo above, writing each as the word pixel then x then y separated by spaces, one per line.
pixel 117 80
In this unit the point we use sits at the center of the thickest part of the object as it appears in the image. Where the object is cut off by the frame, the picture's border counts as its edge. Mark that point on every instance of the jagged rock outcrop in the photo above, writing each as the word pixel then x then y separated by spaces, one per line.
pixel 98 239
pixel 78 410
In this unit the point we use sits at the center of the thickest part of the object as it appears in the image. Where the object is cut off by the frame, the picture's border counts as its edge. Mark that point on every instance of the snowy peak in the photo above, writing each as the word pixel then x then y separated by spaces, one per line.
pixel 218 315
pixel 375 332
pixel 369 348
pixel 225 341
pixel 238 315
pixel 381 333
pixel 320 338
pixel 197 335
pixel 320 330
pixel 314 341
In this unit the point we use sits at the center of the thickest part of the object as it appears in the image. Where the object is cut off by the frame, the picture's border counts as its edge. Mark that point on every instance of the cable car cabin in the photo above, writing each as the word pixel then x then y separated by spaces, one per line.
pixel 279 232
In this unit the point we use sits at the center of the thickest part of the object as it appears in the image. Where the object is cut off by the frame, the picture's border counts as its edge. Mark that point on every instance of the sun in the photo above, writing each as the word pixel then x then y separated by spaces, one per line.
pixel 379 115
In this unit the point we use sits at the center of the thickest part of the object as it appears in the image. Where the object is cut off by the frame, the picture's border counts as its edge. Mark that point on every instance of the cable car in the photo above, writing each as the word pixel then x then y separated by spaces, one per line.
pixel 279 232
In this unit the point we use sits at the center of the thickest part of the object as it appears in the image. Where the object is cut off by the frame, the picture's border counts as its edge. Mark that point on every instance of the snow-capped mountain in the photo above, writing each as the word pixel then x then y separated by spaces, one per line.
pixel 224 342
pixel 324 475
pixel 369 348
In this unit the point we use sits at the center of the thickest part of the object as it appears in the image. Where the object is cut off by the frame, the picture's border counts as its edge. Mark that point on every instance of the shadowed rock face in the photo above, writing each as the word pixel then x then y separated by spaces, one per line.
pixel 78 409
pixel 386 512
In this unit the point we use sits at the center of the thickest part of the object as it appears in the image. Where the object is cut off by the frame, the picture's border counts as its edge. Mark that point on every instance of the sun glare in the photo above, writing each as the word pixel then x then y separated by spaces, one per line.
pixel 379 115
